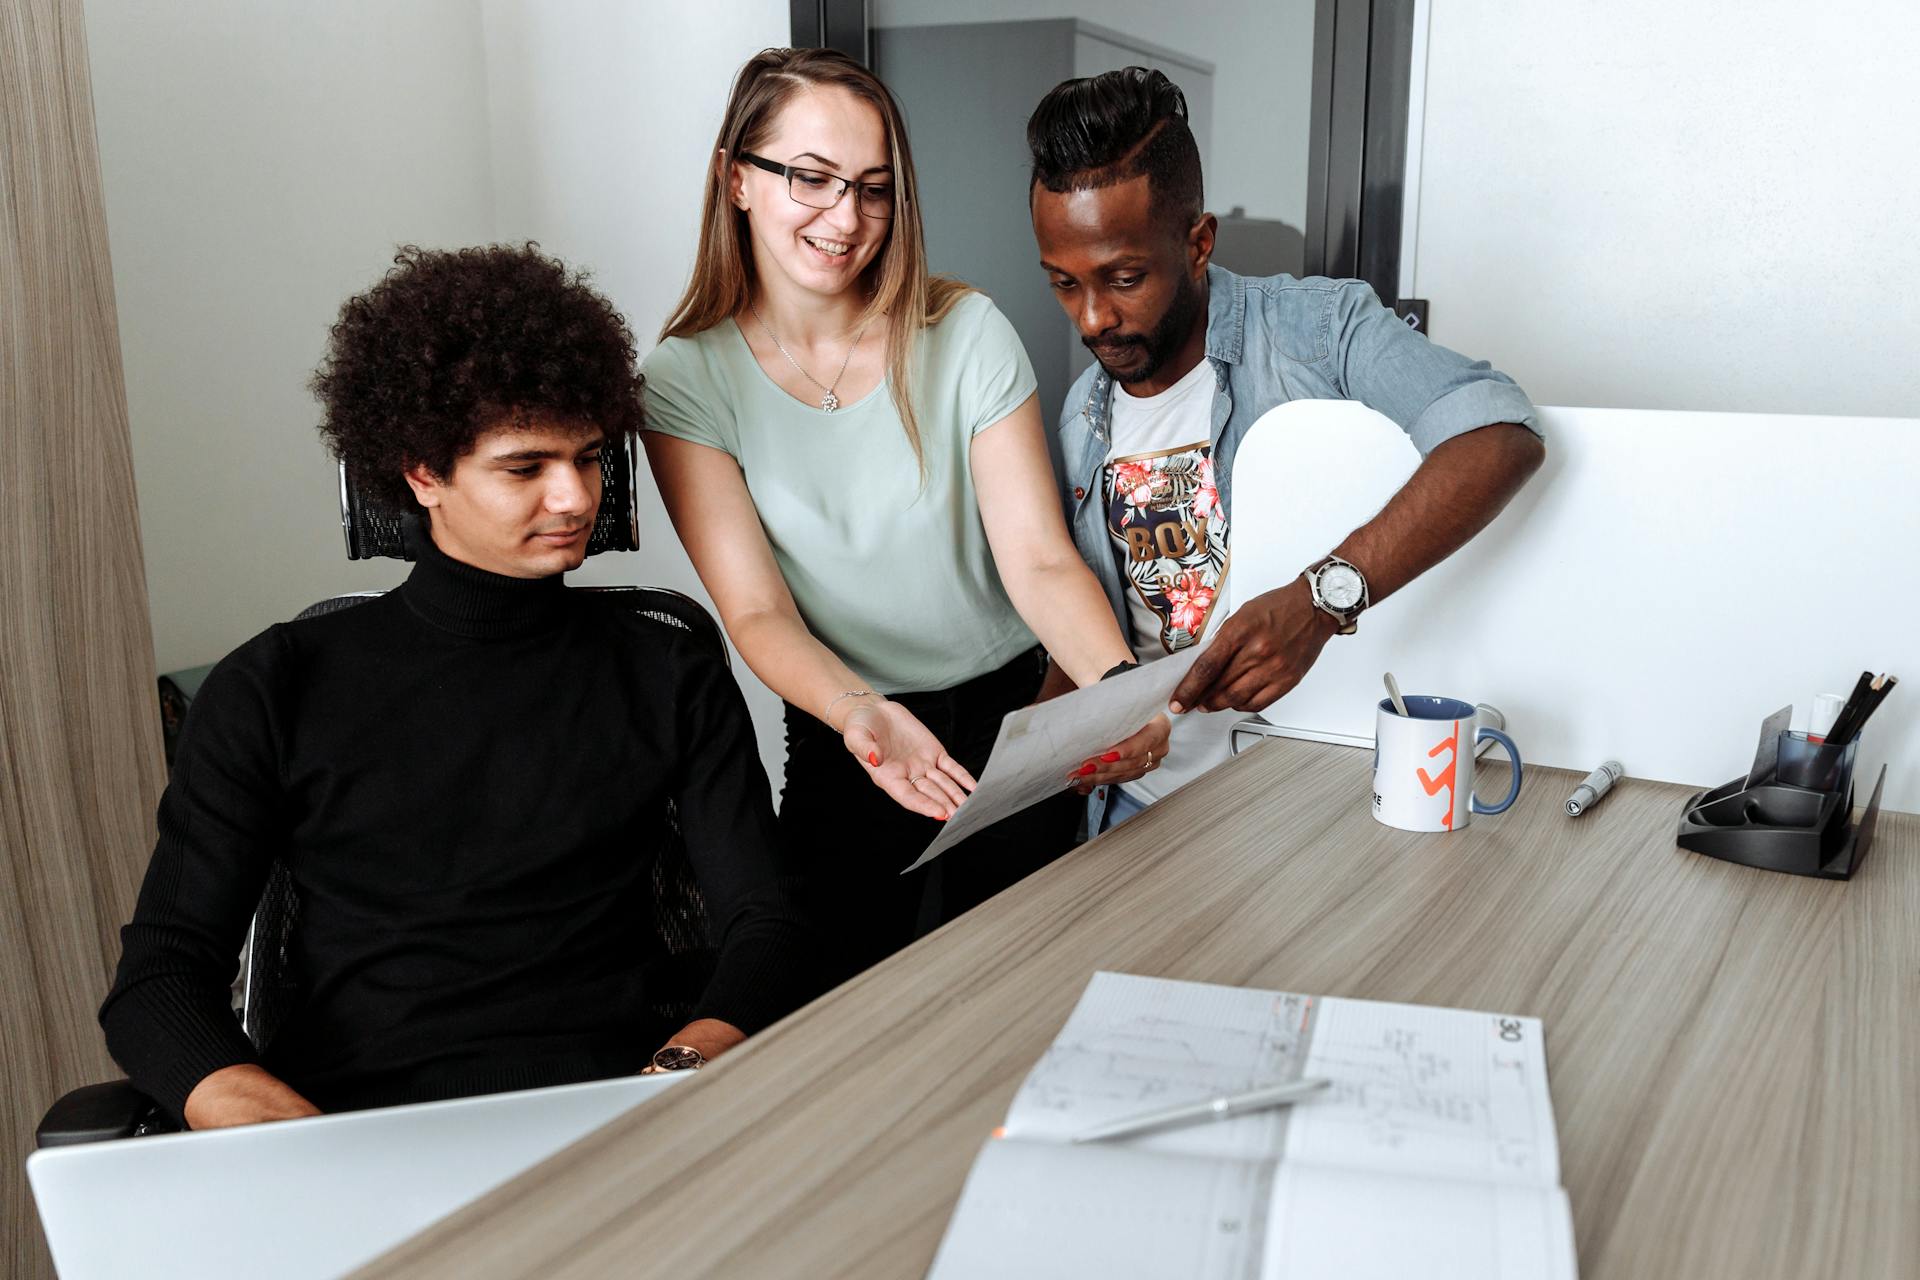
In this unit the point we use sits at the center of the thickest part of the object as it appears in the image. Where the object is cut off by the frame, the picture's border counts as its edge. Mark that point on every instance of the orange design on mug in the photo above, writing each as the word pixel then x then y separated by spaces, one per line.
pixel 1444 780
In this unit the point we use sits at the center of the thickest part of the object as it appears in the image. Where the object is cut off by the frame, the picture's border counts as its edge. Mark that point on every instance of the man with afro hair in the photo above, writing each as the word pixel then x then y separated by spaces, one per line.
pixel 468 778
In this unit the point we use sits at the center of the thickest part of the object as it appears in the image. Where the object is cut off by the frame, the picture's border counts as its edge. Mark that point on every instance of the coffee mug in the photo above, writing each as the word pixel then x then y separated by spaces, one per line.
pixel 1423 764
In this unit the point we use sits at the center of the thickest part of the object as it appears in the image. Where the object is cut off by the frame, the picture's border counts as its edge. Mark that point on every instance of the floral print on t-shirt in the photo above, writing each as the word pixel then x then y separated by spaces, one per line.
pixel 1164 509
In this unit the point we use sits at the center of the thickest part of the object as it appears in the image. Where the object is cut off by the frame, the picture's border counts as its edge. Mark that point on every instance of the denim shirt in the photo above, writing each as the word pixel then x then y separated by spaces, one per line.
pixel 1271 339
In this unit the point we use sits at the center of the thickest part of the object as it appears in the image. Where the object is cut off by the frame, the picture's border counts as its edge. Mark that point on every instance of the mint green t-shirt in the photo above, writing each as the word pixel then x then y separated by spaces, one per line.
pixel 896 579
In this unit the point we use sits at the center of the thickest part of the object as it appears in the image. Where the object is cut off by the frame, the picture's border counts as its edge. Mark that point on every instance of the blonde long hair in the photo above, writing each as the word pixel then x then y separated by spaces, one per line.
pixel 723 269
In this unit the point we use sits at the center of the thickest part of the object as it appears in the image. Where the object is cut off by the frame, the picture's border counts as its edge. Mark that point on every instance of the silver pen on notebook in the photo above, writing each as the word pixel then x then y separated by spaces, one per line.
pixel 1237 1104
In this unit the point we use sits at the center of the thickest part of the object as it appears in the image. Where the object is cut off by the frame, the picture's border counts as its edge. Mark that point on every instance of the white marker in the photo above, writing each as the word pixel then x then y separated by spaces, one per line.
pixel 1598 783
pixel 1826 709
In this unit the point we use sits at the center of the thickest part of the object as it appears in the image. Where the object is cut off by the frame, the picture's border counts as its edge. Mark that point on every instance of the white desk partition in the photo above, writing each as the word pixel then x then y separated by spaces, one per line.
pixel 1664 583
pixel 302 1199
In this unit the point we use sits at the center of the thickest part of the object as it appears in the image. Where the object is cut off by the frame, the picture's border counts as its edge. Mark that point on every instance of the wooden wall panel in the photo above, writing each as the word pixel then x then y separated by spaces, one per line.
pixel 82 766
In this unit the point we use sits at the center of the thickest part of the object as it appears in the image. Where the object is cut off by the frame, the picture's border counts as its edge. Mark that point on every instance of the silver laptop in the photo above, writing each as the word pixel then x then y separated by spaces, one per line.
pixel 301 1198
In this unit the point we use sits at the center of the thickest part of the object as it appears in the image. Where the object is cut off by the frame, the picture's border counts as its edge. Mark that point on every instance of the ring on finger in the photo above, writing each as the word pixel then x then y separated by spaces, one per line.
pixel 914 782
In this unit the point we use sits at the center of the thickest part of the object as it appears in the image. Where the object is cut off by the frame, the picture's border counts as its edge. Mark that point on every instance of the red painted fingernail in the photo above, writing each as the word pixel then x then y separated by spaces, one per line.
pixel 1111 756
pixel 945 816
pixel 873 758
pixel 1084 770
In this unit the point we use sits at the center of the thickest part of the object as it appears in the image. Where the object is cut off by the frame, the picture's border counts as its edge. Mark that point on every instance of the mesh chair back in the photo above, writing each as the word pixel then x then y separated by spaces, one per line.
pixel 374 529
pixel 272 984
pixel 271 981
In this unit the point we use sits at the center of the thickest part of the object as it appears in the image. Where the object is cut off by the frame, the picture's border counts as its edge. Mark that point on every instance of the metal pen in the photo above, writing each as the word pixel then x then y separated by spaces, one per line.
pixel 1237 1104
pixel 1598 783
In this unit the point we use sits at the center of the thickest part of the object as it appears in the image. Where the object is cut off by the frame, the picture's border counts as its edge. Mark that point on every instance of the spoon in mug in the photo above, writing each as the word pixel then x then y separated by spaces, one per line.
pixel 1393 692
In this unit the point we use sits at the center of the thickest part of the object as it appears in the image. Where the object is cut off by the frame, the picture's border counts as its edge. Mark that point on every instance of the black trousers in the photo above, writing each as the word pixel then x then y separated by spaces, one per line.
pixel 852 839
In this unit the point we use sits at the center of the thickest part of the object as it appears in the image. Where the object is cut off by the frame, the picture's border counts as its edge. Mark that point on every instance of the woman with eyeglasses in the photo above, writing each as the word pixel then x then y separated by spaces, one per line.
pixel 852 453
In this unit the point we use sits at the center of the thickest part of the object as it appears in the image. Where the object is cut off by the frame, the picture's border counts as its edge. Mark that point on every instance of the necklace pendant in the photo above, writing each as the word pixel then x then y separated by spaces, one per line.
pixel 829 402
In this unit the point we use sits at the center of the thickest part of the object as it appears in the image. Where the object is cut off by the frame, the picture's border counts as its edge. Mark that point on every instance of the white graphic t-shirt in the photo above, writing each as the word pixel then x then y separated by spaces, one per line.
pixel 1163 509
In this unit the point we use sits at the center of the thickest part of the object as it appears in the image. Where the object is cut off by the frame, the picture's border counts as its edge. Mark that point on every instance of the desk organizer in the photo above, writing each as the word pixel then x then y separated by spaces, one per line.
pixel 1791 812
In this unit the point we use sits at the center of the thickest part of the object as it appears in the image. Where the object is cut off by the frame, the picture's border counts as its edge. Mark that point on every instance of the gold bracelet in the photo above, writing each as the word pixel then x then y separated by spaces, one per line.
pixel 827 715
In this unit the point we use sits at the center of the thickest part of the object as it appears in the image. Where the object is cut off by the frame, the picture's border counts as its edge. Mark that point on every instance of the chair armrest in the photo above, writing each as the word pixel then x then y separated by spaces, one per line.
pixel 99 1113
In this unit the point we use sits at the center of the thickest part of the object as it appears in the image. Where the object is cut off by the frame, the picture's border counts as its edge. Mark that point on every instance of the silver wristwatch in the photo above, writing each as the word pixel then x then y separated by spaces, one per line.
pixel 1340 591
pixel 678 1057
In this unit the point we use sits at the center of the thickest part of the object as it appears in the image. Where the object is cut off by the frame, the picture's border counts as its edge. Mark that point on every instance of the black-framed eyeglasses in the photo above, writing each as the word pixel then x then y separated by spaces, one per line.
pixel 818 190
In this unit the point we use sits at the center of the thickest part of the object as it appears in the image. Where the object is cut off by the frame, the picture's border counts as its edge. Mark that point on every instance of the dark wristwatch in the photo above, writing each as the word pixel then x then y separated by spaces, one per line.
pixel 1340 591
pixel 678 1057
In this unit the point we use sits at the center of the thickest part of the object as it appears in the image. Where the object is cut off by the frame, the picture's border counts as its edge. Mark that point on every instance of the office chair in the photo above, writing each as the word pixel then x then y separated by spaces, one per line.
pixel 270 986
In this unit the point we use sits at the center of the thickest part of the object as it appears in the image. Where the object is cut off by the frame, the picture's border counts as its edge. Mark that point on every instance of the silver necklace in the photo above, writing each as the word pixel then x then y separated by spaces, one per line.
pixel 828 402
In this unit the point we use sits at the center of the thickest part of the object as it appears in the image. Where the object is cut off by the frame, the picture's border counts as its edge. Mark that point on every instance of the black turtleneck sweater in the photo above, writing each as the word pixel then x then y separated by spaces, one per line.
pixel 467 778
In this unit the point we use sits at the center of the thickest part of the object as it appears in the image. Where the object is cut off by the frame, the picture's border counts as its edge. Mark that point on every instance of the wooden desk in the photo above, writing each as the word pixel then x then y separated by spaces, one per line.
pixel 1733 1053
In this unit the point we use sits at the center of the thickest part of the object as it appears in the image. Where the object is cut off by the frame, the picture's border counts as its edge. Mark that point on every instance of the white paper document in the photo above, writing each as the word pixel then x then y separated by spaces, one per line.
pixel 1432 1154
pixel 1038 745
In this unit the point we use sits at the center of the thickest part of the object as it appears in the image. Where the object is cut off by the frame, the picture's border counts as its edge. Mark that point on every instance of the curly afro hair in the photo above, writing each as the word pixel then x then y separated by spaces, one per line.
pixel 450 344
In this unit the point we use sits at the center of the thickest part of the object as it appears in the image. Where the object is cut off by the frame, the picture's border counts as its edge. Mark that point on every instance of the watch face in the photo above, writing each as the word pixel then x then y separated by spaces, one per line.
pixel 677 1057
pixel 1340 586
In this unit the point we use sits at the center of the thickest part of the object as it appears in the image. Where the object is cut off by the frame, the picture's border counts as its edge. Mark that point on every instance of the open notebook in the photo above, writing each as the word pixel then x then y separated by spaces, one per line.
pixel 1433 1153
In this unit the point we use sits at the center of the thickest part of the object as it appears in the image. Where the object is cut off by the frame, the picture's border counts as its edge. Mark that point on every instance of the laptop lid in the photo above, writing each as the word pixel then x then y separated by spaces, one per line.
pixel 301 1198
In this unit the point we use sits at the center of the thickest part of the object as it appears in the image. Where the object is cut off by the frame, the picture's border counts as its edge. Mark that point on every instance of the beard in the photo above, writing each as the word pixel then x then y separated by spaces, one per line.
pixel 1164 339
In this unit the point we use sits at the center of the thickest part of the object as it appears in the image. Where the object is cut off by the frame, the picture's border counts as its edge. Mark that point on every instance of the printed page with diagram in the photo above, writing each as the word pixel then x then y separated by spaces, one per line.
pixel 1433 1152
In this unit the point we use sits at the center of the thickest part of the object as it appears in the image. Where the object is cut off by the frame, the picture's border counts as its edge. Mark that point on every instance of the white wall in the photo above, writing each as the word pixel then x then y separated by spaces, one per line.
pixel 1680 206
pixel 1262 52
pixel 602 114
pixel 262 159
pixel 1653 615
